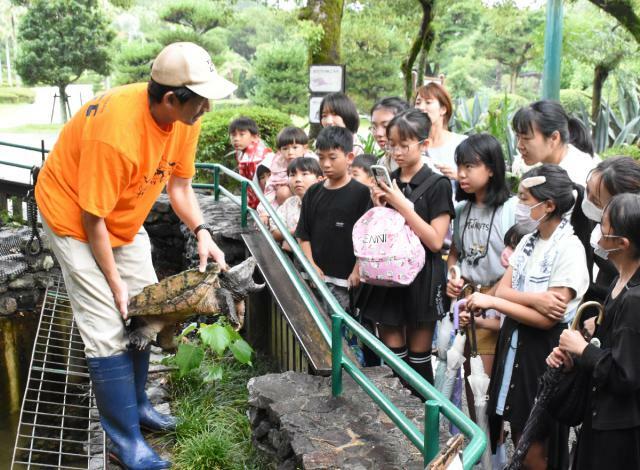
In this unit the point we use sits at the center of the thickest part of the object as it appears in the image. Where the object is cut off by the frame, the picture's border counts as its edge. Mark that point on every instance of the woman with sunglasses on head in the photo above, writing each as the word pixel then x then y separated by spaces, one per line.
pixel 406 316
pixel 610 432
pixel 484 215
pixel 538 295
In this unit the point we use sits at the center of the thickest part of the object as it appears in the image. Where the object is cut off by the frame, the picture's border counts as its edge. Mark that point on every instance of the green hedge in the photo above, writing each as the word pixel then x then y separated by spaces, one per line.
pixel 214 137
pixel 15 95
pixel 573 100
pixel 632 151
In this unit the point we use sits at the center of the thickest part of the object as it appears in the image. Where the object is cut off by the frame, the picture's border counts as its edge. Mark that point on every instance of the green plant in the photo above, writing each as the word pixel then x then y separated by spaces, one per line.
pixel 626 150
pixel 369 145
pixel 573 101
pixel 214 145
pixel 214 339
pixel 213 430
pixel 15 95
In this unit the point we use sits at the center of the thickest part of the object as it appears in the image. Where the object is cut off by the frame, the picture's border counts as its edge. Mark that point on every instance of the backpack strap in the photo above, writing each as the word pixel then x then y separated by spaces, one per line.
pixel 426 184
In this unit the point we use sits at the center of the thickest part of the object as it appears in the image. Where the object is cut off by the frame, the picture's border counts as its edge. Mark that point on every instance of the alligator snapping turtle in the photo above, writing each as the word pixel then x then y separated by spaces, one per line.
pixel 156 309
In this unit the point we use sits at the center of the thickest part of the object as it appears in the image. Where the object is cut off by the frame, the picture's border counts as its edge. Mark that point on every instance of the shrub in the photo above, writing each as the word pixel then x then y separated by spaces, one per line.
pixel 214 145
pixel 280 76
pixel 574 101
pixel 15 95
pixel 625 150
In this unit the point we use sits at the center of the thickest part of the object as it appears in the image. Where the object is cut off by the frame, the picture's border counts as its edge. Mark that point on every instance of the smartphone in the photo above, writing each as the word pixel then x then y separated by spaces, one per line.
pixel 381 174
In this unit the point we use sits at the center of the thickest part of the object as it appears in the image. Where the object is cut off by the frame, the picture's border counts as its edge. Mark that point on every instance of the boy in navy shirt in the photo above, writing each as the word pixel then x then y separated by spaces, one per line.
pixel 329 211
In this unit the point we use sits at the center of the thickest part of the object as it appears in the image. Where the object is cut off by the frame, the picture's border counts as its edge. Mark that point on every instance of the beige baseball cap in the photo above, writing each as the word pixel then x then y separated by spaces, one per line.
pixel 189 65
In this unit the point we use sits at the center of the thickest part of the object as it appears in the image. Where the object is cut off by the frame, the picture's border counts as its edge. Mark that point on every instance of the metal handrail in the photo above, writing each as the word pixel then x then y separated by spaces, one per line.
pixel 42 150
pixel 427 443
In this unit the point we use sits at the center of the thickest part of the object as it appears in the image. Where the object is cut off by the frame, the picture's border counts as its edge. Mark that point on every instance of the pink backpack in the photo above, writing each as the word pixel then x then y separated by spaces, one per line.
pixel 389 252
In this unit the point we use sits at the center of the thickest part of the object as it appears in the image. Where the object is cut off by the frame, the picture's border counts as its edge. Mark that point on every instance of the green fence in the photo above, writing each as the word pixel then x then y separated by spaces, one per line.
pixel 436 404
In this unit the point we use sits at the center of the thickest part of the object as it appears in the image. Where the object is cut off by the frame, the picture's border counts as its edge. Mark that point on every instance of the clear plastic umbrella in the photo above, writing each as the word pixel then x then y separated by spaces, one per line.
pixel 455 354
pixel 443 341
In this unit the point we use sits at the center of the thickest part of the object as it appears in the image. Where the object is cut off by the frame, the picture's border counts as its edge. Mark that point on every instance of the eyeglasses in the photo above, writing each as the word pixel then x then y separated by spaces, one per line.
pixel 401 148
pixel 373 128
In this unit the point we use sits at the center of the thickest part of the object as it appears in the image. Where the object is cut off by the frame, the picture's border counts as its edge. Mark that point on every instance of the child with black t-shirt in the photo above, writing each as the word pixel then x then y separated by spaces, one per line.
pixel 329 211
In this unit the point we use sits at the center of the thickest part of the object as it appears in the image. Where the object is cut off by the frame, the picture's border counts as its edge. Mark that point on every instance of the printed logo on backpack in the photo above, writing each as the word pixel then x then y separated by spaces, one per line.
pixel 389 252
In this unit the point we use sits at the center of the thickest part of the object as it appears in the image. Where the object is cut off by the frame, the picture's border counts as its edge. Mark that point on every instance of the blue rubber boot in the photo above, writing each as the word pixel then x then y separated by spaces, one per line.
pixel 149 418
pixel 114 389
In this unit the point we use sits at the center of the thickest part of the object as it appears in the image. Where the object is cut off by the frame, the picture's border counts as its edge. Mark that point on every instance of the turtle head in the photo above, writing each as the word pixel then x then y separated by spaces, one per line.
pixel 239 279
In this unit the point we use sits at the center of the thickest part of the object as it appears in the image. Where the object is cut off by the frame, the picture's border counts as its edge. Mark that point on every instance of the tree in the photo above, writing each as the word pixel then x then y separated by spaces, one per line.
pixel 599 42
pixel 421 43
pixel 509 36
pixel 59 40
pixel 280 75
pixel 625 11
pixel 328 14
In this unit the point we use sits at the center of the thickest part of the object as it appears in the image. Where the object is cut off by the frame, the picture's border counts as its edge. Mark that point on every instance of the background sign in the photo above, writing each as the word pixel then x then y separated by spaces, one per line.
pixel 326 78
pixel 314 109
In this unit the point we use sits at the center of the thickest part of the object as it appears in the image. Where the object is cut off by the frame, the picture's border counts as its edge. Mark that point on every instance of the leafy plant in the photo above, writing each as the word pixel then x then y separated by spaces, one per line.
pixel 196 342
pixel 369 145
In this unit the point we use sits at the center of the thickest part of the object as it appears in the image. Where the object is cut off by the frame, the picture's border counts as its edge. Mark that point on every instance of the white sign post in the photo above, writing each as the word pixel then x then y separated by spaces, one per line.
pixel 323 79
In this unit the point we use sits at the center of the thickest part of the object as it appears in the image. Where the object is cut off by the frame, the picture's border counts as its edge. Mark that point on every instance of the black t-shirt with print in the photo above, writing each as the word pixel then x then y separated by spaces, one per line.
pixel 326 221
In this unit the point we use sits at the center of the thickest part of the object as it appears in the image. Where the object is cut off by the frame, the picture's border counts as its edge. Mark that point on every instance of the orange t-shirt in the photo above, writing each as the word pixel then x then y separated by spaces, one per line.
pixel 113 160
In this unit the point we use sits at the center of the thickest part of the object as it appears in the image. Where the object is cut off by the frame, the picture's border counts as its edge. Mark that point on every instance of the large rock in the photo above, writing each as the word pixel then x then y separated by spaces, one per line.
pixel 297 422
pixel 8 305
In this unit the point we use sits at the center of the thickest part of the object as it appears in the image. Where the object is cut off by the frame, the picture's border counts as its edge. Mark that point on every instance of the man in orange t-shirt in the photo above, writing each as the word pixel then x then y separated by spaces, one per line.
pixel 110 163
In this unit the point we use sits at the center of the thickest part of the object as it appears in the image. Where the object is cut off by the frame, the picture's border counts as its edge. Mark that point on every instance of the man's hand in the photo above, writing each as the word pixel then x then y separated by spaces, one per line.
pixel 447 171
pixel 559 358
pixel 572 342
pixel 120 296
pixel 207 248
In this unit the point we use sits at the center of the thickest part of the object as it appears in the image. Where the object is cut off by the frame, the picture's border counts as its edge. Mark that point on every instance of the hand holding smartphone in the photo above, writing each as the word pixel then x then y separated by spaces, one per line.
pixel 381 174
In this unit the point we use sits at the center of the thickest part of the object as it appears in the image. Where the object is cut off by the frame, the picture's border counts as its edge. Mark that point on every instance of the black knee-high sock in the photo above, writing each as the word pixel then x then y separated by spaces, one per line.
pixel 421 363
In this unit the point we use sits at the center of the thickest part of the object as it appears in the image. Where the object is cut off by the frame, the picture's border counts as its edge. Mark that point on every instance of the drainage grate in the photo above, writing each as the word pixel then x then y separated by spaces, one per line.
pixel 59 426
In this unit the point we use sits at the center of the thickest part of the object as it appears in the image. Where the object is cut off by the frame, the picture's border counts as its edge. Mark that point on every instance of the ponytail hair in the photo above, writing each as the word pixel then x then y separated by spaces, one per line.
pixel 549 116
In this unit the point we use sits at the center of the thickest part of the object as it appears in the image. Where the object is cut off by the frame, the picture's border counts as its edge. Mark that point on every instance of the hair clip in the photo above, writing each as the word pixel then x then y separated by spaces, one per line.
pixel 533 181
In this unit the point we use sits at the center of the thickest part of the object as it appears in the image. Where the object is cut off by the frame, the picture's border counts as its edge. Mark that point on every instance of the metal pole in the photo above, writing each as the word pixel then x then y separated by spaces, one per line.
pixel 42 150
pixel 216 183
pixel 336 355
pixel 552 51
pixel 431 430
pixel 244 204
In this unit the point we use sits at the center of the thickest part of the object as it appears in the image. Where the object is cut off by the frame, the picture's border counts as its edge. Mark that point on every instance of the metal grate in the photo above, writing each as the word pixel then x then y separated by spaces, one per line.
pixel 59 426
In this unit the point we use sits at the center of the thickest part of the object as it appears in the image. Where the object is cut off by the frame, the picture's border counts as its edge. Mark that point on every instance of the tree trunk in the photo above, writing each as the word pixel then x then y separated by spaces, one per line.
pixel 64 100
pixel 513 79
pixel 422 42
pixel 623 11
pixel 600 74
pixel 328 14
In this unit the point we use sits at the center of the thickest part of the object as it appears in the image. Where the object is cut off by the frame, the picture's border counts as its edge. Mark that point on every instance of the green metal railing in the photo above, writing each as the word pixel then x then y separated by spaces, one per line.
pixel 42 150
pixel 427 442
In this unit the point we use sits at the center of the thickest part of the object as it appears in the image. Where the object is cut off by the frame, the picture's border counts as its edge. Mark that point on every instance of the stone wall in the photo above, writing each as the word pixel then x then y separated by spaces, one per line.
pixel 23 278
pixel 174 246
pixel 298 424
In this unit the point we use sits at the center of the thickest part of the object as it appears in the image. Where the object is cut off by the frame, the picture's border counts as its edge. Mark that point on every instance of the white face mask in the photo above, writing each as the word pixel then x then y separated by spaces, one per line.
pixel 523 217
pixel 596 236
pixel 592 211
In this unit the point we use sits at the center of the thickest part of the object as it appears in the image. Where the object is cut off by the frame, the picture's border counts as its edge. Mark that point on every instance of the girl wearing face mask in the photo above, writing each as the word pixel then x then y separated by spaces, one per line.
pixel 610 433
pixel 546 134
pixel 615 175
pixel 539 293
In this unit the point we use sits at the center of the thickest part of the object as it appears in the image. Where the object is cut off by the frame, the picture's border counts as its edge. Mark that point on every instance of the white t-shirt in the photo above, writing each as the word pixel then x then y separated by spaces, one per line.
pixel 445 154
pixel 569 267
pixel 578 164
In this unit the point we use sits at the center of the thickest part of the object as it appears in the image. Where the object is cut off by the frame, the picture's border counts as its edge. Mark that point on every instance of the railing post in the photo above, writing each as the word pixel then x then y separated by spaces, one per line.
pixel 336 355
pixel 42 151
pixel 244 204
pixel 431 430
pixel 216 183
